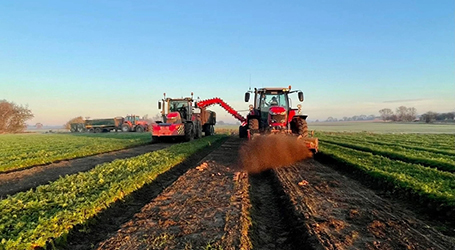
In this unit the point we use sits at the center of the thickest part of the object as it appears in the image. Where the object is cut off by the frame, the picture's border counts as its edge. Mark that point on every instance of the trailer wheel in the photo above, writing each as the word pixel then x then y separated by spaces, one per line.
pixel 91 130
pixel 139 129
pixel 80 129
pixel 98 130
pixel 302 127
pixel 189 135
pixel 125 128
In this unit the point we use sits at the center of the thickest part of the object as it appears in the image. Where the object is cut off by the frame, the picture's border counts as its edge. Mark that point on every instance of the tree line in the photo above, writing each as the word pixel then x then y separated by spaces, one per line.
pixel 402 114
pixel 431 116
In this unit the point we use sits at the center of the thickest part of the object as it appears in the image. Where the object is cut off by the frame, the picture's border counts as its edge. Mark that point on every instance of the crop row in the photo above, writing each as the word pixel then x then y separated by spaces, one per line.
pixel 25 150
pixel 45 216
pixel 437 143
pixel 439 161
pixel 428 186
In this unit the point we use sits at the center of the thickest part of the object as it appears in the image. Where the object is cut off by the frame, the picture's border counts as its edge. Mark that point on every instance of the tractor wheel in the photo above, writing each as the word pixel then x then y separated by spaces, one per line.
pixel 207 130
pixel 198 131
pixel 253 125
pixel 243 132
pixel 126 128
pixel 189 134
pixel 91 130
pixel 98 130
pixel 302 127
pixel 139 129
pixel 73 130
pixel 80 129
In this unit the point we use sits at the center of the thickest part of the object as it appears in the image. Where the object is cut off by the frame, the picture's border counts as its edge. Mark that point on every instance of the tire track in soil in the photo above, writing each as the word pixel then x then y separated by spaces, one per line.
pixel 339 213
pixel 23 180
pixel 273 226
pixel 185 207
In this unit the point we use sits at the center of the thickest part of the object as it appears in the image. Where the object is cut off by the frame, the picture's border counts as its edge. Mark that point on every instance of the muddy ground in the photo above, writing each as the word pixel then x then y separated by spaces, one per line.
pixel 25 179
pixel 207 202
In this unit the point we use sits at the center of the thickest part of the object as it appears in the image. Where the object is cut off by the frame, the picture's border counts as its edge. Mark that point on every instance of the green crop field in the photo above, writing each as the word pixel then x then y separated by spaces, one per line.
pixel 29 220
pixel 24 150
pixel 420 165
pixel 383 127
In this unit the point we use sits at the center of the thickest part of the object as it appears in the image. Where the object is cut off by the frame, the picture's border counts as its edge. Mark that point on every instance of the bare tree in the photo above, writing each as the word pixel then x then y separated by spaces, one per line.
pixel 78 119
pixel 13 117
pixel 386 114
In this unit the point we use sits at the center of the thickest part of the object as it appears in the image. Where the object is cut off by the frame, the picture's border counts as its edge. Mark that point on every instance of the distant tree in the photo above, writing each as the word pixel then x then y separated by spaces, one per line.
pixel 78 119
pixel 13 117
pixel 406 114
pixel 429 116
pixel 386 114
pixel 411 114
pixel 329 119
pixel 220 122
pixel 39 125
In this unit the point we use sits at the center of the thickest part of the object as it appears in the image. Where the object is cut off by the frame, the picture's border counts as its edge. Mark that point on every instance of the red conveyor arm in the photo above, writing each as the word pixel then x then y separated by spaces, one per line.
pixel 229 109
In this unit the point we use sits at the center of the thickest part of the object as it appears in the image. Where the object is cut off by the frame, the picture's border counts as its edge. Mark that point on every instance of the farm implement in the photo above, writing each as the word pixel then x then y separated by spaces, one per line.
pixel 129 123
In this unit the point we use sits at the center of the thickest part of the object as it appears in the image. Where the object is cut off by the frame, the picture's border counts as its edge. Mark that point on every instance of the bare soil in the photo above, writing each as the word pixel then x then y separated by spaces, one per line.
pixel 338 212
pixel 202 209
pixel 22 180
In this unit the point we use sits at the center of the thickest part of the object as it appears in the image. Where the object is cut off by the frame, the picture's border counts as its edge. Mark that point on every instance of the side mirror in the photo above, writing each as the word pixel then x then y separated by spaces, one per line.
pixel 300 96
pixel 159 105
pixel 247 97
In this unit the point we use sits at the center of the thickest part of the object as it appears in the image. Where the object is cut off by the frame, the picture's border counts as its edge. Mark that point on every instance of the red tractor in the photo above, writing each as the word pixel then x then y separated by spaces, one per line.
pixel 272 113
pixel 134 123
pixel 182 120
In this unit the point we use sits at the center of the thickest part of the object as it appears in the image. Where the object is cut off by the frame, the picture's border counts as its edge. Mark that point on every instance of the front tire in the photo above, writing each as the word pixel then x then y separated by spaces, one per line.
pixel 126 128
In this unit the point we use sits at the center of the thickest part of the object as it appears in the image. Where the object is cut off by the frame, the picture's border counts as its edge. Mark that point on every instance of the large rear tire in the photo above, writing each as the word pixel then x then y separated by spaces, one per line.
pixel 189 134
pixel 253 125
pixel 302 127
pixel 198 131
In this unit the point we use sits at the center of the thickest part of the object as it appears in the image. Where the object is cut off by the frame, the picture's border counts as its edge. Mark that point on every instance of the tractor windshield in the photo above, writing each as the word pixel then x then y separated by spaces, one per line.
pixel 177 105
pixel 270 99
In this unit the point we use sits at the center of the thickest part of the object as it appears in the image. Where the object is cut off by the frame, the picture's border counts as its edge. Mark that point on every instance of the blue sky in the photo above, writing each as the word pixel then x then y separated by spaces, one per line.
pixel 111 58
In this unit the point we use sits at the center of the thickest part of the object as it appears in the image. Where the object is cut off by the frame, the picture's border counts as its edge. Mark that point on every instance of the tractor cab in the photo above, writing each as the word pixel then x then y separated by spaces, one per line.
pixel 176 110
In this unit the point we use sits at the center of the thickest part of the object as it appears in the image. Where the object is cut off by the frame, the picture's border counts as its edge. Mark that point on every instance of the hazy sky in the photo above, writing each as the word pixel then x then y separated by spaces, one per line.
pixel 111 58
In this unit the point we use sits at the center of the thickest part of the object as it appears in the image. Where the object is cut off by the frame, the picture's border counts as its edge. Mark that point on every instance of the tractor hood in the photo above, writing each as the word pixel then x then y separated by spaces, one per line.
pixel 173 117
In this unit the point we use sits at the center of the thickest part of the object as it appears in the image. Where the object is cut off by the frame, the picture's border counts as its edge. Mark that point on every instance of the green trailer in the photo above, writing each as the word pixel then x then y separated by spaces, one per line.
pixel 98 125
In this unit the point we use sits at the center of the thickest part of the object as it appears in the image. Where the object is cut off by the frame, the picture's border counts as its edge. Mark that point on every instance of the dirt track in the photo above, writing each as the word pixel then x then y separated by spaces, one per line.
pixel 22 180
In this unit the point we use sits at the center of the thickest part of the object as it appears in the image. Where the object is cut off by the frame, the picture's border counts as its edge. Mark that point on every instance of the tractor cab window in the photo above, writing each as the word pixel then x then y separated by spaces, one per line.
pixel 273 99
pixel 177 105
